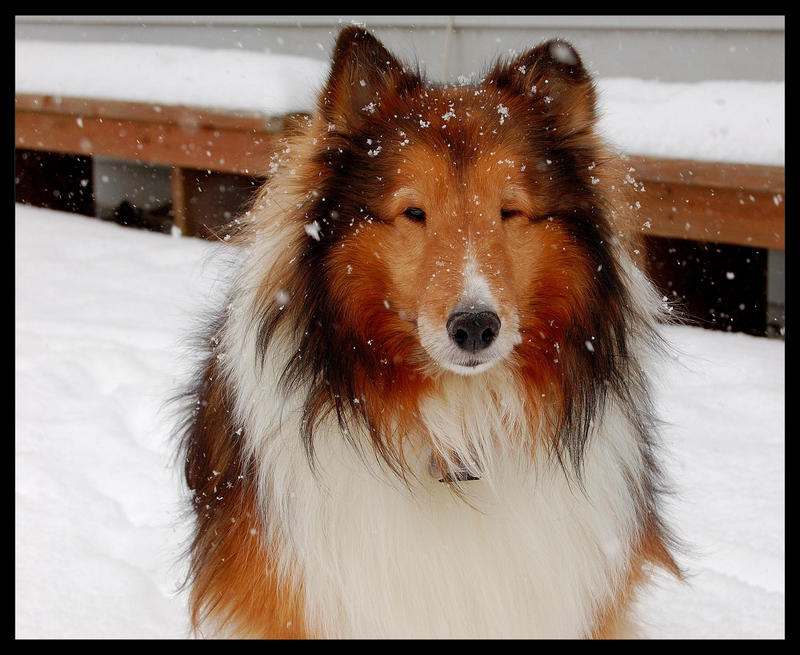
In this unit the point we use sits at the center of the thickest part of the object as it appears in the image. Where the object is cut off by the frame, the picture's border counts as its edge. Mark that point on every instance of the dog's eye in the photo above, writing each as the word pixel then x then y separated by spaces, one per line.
pixel 509 213
pixel 415 214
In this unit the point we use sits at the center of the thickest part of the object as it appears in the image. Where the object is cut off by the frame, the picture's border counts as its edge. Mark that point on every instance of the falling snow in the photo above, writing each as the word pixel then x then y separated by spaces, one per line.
pixel 562 53
pixel 503 111
pixel 312 230
pixel 96 356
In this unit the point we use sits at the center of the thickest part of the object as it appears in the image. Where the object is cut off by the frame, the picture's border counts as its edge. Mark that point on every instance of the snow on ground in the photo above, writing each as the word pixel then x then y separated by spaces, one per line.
pixel 733 121
pixel 102 318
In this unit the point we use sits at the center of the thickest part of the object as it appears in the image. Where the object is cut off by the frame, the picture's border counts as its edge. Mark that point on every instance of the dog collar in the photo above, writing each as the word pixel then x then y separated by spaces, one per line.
pixel 462 474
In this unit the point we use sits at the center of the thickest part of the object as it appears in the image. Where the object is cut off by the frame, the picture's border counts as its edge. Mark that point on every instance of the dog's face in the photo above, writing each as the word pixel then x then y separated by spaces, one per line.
pixel 463 215
pixel 434 238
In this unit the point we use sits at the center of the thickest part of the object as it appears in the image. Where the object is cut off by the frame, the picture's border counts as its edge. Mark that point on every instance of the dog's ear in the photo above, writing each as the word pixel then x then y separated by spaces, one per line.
pixel 552 76
pixel 364 77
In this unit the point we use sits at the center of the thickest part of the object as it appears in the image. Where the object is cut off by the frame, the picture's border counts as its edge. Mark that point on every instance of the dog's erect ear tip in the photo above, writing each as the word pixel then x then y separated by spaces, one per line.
pixel 555 59
pixel 357 48
pixel 353 35
pixel 364 74
pixel 562 52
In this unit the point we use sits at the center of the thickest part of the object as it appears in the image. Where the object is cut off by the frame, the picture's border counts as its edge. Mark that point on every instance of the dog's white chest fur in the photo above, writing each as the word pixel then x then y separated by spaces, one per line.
pixel 526 552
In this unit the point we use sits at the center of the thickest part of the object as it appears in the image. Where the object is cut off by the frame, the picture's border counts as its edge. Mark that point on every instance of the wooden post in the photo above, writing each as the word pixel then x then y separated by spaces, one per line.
pixel 179 200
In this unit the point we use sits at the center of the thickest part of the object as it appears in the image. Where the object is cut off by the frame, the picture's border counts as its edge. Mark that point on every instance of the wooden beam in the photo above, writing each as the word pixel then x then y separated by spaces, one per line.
pixel 178 200
pixel 148 112
pixel 710 174
pixel 180 136
pixel 741 204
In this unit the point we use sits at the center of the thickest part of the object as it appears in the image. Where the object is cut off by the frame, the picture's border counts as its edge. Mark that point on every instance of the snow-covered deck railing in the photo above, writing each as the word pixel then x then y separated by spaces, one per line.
pixel 707 157
pixel 735 203
pixel 176 136
pixel 188 137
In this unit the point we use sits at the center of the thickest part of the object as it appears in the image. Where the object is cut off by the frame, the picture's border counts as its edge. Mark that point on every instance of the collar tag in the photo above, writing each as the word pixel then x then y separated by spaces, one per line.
pixel 463 474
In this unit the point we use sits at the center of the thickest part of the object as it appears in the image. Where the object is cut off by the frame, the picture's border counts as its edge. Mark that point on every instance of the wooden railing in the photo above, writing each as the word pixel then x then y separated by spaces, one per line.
pixel 740 204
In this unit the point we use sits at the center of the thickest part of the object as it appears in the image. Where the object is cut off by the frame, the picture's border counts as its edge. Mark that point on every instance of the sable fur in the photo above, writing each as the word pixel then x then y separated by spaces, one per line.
pixel 347 361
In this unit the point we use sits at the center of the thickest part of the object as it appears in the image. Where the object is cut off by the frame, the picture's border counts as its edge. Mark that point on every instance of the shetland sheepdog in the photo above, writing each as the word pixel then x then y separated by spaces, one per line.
pixel 423 410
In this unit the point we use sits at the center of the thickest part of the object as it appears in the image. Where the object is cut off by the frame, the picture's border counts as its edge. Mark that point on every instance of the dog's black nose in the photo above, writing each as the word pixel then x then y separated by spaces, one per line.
pixel 473 331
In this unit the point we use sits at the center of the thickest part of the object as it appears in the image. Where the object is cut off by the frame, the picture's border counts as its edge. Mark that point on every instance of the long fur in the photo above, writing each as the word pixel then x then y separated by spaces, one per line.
pixel 353 474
